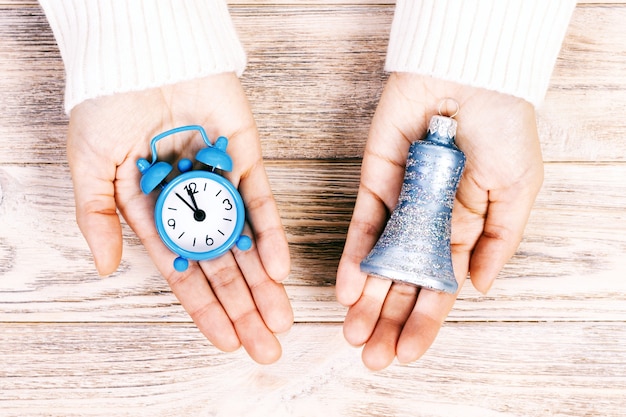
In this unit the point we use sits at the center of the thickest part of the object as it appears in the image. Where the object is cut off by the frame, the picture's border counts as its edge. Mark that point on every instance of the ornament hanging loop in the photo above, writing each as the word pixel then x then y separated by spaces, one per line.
pixel 457 107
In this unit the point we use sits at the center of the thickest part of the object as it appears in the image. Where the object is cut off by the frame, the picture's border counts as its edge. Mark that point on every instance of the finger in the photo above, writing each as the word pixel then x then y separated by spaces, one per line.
pixel 380 349
pixel 468 221
pixel 365 228
pixel 381 179
pixel 229 286
pixel 362 317
pixel 269 296
pixel 197 298
pixel 264 219
pixel 96 214
pixel 423 324
pixel 507 216
pixel 429 313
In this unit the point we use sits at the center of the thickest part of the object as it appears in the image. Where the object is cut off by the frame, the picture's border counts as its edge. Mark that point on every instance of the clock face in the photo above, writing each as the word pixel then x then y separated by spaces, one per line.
pixel 199 213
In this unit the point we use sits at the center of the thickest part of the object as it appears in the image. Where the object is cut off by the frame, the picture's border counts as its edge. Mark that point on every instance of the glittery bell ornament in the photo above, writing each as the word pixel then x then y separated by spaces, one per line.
pixel 415 245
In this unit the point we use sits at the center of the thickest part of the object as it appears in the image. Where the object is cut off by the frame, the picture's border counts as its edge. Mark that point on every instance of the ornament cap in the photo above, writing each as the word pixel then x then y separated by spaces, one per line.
pixel 442 129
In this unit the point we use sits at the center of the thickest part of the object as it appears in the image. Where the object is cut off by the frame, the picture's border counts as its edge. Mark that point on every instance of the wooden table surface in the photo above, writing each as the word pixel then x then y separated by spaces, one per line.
pixel 548 340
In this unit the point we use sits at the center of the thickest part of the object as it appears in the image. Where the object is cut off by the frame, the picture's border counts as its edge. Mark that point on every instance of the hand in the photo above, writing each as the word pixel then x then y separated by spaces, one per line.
pixel 502 177
pixel 234 300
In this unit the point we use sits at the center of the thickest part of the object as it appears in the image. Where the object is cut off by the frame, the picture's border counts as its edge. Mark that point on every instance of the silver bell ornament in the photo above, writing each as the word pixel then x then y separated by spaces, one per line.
pixel 414 248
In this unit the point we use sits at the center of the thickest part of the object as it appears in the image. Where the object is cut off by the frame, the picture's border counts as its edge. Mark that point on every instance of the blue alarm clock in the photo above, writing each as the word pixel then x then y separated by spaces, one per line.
pixel 199 214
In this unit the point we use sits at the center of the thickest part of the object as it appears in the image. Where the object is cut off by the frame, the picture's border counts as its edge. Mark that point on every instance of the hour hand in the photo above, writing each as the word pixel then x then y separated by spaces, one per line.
pixel 193 199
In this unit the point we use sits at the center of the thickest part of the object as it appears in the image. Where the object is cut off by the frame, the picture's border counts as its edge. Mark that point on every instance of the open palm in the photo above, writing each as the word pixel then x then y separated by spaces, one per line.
pixel 234 300
pixel 503 175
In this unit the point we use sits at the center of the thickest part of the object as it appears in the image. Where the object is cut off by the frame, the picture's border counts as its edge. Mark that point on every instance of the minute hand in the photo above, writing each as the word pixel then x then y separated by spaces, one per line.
pixel 186 202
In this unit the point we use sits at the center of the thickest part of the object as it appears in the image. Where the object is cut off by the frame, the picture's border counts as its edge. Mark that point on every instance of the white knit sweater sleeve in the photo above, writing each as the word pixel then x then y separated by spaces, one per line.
pixel 505 45
pixel 113 46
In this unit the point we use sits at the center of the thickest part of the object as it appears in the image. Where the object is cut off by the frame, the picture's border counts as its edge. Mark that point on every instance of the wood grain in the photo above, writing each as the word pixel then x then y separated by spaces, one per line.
pixel 534 369
pixel 565 269
pixel 548 340
pixel 314 78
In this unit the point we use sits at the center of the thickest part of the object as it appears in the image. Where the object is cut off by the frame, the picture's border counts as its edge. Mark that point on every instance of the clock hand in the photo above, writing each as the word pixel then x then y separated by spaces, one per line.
pixel 186 203
pixel 193 199
pixel 198 215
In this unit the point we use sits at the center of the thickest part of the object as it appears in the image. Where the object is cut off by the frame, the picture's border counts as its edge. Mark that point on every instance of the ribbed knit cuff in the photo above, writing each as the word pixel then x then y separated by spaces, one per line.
pixel 112 46
pixel 505 45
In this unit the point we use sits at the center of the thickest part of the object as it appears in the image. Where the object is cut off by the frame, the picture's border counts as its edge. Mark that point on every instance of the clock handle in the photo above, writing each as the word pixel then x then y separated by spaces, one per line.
pixel 157 138
pixel 155 172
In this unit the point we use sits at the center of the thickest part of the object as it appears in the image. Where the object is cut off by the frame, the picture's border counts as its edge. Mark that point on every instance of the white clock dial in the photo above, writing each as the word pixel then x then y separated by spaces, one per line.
pixel 199 215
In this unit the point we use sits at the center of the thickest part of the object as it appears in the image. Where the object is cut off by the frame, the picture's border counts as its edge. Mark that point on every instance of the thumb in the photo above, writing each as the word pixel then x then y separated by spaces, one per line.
pixel 98 220
pixel 503 230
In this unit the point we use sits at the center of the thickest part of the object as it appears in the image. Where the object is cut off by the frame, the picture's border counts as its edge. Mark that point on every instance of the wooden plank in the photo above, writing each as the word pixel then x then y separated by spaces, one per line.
pixel 256 3
pixel 567 268
pixel 308 3
pixel 478 369
pixel 322 69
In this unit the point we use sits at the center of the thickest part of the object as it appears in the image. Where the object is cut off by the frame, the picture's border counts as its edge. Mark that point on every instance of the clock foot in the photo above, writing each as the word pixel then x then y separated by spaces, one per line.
pixel 244 243
pixel 181 264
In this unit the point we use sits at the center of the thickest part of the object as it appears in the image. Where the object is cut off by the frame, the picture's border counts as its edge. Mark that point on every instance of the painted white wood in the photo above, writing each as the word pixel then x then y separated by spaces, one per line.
pixel 548 340
pixel 473 369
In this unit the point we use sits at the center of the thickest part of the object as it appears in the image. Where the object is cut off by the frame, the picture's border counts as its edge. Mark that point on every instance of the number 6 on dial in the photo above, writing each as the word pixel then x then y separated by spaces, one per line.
pixel 199 215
